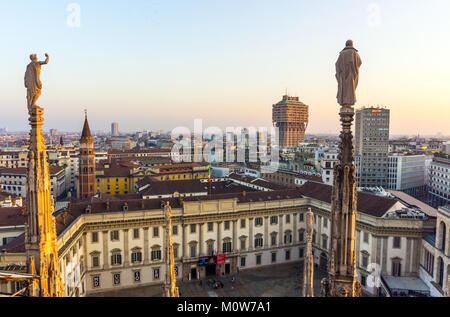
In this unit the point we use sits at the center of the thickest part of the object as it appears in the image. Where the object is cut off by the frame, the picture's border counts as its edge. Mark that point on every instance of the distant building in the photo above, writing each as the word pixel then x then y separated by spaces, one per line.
pixel 446 147
pixel 9 200
pixel 439 187
pixel 290 116
pixel 14 159
pixel 372 146
pixel 291 179
pixel 114 129
pixel 121 143
pixel 327 159
pixel 13 180
pixel 406 173
pixel 116 177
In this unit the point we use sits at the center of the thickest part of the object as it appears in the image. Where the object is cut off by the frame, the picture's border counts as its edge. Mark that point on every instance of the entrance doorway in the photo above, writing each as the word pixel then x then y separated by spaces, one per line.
pixel 323 261
pixel 193 273
pixel 227 268
pixel 210 269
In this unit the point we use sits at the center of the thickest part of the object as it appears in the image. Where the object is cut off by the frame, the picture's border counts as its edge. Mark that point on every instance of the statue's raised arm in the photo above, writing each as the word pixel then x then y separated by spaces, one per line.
pixel 32 80
pixel 46 60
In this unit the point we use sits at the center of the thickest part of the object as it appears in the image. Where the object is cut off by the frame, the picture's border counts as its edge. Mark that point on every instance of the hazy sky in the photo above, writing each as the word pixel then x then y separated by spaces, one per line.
pixel 161 64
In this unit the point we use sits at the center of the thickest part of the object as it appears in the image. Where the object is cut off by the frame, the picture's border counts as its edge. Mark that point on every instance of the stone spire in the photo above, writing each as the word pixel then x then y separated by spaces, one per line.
pixel 342 265
pixel 170 282
pixel 40 237
pixel 308 270
pixel 86 133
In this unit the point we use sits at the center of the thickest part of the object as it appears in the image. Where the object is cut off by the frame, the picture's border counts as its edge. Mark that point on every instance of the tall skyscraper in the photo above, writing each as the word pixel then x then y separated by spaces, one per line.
pixel 291 117
pixel 372 146
pixel 114 129
pixel 86 187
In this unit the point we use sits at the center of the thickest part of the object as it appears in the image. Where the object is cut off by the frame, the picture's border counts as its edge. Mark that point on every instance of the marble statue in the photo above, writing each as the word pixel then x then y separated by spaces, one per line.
pixel 33 81
pixel 347 74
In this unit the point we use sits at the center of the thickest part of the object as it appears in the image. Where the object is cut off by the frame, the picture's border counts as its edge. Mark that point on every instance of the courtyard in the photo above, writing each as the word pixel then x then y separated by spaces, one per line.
pixel 284 280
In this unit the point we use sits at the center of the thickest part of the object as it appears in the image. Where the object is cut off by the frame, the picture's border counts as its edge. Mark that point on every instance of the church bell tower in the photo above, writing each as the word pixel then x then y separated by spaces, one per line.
pixel 86 163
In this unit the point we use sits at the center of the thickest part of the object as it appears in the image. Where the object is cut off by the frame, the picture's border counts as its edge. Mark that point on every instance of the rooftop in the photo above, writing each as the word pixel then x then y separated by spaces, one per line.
pixel 367 203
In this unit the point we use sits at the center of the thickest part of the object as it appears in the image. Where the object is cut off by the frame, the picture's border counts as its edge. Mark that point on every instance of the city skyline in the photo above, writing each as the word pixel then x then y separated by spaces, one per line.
pixel 170 63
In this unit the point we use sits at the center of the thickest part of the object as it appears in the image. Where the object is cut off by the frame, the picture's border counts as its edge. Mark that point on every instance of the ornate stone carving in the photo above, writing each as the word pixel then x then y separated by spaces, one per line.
pixel 342 268
pixel 170 282
pixel 308 270
pixel 41 238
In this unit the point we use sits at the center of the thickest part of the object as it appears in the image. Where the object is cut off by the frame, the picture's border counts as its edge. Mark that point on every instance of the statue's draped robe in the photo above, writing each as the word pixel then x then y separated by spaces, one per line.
pixel 32 82
pixel 347 75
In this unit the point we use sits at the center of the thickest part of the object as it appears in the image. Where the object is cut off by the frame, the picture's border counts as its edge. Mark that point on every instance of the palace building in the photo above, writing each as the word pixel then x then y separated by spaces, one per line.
pixel 110 242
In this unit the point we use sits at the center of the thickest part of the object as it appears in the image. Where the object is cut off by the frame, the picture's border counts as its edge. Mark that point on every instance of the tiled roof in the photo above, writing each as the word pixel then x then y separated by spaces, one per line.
pixel 369 204
pixel 12 216
pixel 53 169
pixel 15 246
pixel 14 171
pixel 189 186
pixel 256 181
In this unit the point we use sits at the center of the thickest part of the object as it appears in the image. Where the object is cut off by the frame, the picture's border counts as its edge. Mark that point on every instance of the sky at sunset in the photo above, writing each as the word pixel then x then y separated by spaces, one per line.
pixel 162 64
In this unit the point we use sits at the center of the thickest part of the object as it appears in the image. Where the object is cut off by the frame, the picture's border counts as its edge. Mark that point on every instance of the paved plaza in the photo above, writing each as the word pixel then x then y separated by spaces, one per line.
pixel 284 280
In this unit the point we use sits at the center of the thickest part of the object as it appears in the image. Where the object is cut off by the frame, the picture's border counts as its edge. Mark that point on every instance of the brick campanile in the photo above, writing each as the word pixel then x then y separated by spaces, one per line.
pixel 86 164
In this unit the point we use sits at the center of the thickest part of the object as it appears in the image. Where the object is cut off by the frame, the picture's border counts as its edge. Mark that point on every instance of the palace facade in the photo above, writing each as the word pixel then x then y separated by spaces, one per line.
pixel 107 242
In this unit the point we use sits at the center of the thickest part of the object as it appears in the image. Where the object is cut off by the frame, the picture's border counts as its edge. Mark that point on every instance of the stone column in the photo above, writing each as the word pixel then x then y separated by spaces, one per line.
pixel 416 255
pixel 219 237
pixel 250 234
pixel 126 250
pixel 357 241
pixel 280 230
pixel 294 233
pixel 384 256
pixel 146 247
pixel 85 255
pixel 200 239
pixel 105 250
pixel 266 232
pixel 376 240
pixel 235 235
pixel 319 231
pixel 184 242
pixel 408 256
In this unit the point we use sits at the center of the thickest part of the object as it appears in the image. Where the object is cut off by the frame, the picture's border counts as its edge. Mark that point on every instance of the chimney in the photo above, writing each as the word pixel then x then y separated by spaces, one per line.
pixel 244 193
pixel 142 204
pixel 125 206
pixel 107 205
pixel 88 209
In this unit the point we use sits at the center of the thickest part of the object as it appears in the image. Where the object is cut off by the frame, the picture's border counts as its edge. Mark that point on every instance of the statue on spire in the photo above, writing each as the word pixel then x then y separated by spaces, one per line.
pixel 32 80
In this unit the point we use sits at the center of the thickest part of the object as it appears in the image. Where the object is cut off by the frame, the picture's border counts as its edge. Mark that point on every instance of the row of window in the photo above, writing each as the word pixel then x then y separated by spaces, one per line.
pixel 137 276
pixel 258 257
pixel 114 235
